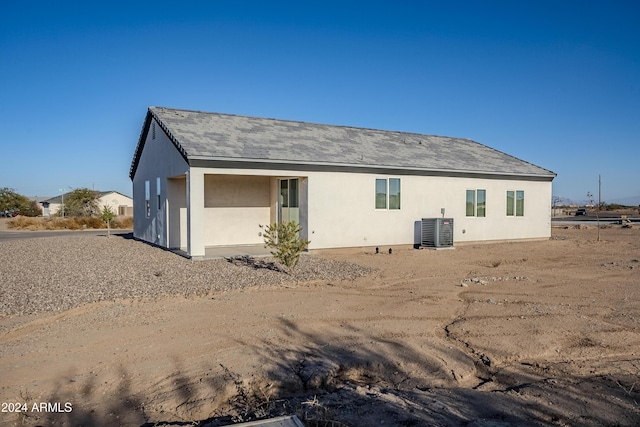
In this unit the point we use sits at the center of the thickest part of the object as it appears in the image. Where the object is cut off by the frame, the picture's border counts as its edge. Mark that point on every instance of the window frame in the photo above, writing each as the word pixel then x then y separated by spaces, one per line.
pixel 397 195
pixel 388 194
pixel 473 206
pixel 515 203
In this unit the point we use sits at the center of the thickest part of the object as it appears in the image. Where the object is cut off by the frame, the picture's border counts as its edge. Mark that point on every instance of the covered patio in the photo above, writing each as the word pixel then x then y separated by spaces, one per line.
pixel 213 215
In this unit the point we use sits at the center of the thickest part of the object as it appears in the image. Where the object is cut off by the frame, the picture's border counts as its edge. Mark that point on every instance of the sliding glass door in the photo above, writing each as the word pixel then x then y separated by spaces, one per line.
pixel 288 201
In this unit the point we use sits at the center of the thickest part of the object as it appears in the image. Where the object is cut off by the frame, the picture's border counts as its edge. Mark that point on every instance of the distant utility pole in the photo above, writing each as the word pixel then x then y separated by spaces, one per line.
pixel 591 202
pixel 62 190
pixel 599 203
pixel 599 191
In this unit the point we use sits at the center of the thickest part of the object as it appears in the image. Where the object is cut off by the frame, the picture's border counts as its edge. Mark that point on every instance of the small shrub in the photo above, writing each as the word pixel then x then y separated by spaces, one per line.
pixel 284 240
pixel 107 216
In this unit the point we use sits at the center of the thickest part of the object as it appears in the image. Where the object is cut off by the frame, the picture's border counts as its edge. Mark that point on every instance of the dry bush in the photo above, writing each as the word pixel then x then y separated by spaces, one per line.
pixel 67 223
pixel 125 222
pixel 91 222
pixel 22 222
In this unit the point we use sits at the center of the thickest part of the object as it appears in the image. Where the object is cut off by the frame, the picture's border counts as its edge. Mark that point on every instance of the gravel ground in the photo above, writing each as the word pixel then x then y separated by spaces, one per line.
pixel 58 273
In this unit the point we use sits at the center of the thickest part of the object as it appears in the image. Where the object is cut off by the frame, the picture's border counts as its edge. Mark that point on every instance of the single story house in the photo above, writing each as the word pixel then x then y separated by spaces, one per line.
pixel 121 204
pixel 207 179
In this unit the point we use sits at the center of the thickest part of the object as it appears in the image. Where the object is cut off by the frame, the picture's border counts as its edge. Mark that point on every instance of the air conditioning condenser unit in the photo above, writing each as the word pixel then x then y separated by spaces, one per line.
pixel 437 233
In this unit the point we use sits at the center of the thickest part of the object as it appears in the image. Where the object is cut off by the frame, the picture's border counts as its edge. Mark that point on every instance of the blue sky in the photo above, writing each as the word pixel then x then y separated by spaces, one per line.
pixel 556 83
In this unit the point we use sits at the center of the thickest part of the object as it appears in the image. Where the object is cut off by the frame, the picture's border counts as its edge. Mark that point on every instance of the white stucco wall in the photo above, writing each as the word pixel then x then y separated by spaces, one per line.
pixel 342 209
pixel 235 205
pixel 341 212
pixel 114 200
pixel 159 159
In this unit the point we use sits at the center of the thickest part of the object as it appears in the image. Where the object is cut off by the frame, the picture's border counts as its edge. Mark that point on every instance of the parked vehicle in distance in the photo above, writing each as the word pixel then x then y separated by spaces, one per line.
pixel 581 211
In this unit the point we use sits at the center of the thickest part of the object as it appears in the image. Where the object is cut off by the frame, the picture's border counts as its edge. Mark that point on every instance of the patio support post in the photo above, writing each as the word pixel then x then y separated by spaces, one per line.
pixel 195 213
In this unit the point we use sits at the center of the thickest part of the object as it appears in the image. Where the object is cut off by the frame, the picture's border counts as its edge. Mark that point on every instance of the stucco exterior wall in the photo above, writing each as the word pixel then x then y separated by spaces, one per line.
pixel 342 209
pixel 339 208
pixel 114 200
pixel 159 159
pixel 234 207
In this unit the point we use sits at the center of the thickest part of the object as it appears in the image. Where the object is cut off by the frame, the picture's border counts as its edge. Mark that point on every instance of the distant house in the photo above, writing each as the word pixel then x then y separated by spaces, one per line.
pixel 208 179
pixel 121 204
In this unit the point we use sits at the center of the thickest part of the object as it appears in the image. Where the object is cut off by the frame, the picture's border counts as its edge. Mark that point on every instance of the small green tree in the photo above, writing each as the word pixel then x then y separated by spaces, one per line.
pixel 107 215
pixel 32 209
pixel 12 201
pixel 81 202
pixel 284 240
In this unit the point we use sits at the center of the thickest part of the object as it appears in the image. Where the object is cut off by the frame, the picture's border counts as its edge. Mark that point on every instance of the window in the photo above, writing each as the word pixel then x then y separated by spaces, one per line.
pixel 381 194
pixel 519 203
pixel 390 198
pixel 289 201
pixel 147 198
pixel 293 193
pixel 510 202
pixel 482 203
pixel 515 203
pixel 476 204
pixel 394 193
pixel 284 193
pixel 471 202
pixel 158 193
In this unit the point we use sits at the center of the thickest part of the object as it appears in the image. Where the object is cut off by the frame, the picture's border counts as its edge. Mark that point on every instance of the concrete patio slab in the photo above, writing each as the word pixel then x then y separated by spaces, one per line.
pixel 218 252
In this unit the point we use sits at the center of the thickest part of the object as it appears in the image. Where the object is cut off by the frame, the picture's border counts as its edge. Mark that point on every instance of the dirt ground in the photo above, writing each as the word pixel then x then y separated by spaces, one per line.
pixel 527 333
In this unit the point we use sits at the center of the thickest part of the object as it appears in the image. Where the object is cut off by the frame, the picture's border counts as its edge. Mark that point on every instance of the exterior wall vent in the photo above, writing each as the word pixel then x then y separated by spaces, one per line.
pixel 437 233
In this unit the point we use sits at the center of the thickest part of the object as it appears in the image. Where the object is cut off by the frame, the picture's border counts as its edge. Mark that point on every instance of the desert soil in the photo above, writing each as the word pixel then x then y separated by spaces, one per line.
pixel 521 333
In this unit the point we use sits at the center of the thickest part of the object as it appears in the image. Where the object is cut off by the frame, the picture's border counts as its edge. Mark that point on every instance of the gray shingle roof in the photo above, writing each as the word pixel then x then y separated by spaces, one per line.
pixel 58 199
pixel 201 136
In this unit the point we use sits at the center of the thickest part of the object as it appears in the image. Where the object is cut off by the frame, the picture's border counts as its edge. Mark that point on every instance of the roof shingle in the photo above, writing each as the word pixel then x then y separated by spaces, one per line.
pixel 225 137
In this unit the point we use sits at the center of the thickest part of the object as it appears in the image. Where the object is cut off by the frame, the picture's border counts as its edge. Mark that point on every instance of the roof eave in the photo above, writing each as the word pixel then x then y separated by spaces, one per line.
pixel 245 163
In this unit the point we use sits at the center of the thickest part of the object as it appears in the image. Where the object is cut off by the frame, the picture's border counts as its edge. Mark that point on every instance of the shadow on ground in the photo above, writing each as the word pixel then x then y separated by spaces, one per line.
pixel 336 381
pixel 249 261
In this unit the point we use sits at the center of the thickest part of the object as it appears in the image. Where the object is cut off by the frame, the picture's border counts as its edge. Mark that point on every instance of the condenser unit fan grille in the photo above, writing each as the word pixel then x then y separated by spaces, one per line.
pixel 437 232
